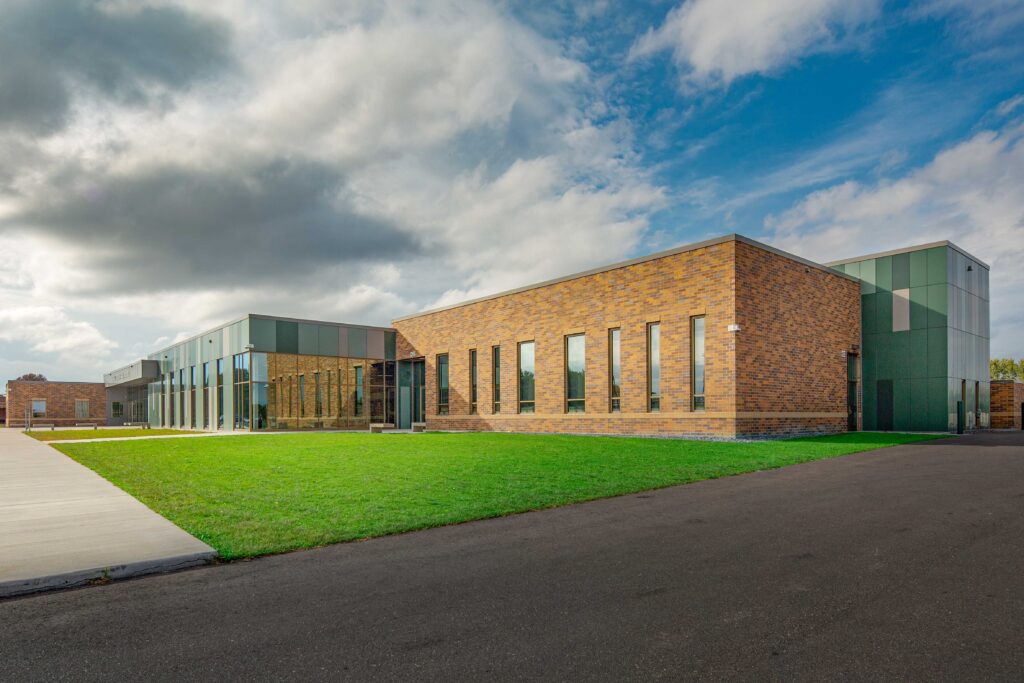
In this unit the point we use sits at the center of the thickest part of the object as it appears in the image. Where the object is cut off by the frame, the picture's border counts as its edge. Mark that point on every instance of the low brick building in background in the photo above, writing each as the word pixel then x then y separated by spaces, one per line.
pixel 1007 404
pixel 3 411
pixel 58 403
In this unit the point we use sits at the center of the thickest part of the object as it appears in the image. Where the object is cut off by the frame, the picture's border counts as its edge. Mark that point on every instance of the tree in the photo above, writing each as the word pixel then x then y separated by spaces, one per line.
pixel 31 377
pixel 1006 368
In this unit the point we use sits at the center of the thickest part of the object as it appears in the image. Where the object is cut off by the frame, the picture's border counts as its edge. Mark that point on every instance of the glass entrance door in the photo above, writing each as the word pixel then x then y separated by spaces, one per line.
pixel 412 392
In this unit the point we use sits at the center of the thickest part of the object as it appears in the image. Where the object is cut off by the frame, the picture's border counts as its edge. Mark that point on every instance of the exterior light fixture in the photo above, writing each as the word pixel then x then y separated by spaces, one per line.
pixel 734 328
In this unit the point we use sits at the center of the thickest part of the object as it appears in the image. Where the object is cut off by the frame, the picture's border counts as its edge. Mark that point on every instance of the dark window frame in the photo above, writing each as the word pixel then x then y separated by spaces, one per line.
pixel 443 389
pixel 473 383
pixel 527 406
pixel 614 387
pixel 698 401
pixel 653 397
pixel 579 404
pixel 496 379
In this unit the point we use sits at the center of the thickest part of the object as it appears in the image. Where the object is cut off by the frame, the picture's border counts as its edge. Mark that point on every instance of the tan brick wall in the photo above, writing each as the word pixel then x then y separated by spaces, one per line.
pixel 670 290
pixel 60 401
pixel 1007 397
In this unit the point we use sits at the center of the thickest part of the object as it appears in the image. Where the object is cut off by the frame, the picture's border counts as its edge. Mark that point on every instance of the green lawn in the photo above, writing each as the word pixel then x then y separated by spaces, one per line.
pixel 68 434
pixel 252 495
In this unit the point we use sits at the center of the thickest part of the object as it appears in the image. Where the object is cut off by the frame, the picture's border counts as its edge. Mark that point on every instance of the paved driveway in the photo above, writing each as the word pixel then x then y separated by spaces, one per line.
pixel 62 524
pixel 906 563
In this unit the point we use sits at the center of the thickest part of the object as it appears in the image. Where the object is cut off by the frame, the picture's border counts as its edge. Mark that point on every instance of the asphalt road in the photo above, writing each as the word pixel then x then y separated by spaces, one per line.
pixel 906 563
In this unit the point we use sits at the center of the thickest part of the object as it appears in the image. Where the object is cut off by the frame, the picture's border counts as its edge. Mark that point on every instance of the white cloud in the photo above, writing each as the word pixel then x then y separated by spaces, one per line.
pixel 969 194
pixel 454 125
pixel 718 41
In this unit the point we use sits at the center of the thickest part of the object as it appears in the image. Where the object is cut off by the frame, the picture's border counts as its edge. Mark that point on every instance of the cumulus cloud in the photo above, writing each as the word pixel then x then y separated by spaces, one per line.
pixel 51 48
pixel 347 160
pixel 969 194
pixel 717 41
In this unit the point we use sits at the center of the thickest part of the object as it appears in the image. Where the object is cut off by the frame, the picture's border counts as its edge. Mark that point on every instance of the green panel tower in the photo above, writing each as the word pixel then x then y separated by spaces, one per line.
pixel 925 332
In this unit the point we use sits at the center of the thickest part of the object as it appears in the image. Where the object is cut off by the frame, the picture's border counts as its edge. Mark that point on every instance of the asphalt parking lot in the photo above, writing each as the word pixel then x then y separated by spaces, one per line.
pixel 904 563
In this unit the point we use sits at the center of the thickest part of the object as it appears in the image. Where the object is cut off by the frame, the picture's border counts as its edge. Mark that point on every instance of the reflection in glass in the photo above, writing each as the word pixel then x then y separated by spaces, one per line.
pixel 527 377
pixel 575 373
pixel 697 342
pixel 654 367
pixel 615 369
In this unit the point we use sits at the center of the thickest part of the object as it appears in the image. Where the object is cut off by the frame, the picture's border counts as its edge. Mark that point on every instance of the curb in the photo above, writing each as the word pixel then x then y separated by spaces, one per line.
pixel 81 577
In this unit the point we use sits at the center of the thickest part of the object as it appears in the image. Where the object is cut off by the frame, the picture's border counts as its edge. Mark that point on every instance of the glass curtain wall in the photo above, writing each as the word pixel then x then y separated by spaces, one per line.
pixel 321 392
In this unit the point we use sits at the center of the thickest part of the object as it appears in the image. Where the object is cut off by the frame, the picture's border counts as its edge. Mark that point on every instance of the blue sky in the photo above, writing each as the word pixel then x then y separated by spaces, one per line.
pixel 172 164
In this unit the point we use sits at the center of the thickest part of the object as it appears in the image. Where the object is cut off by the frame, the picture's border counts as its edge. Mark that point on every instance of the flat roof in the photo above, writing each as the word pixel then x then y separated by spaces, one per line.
pixel 267 317
pixel 906 250
pixel 732 237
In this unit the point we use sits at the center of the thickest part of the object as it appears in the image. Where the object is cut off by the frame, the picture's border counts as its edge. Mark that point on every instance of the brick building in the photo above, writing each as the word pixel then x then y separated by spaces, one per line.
pixel 1007 403
pixel 725 338
pixel 57 403
pixel 3 410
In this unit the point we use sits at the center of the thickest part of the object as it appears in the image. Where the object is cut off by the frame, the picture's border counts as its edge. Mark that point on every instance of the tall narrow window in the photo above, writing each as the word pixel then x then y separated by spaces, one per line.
pixel 220 393
pixel 697 353
pixel 496 378
pixel 170 399
pixel 206 395
pixel 472 381
pixel 654 367
pixel 241 393
pixel 318 396
pixel 39 407
pixel 527 377
pixel 328 393
pixel 575 373
pixel 359 391
pixel 192 417
pixel 302 396
pixel 615 369
pixel 442 384
pixel 81 408
pixel 181 397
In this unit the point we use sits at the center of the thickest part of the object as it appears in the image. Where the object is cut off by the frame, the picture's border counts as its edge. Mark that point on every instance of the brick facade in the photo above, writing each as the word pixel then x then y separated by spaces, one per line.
pixel 782 373
pixel 1007 402
pixel 60 400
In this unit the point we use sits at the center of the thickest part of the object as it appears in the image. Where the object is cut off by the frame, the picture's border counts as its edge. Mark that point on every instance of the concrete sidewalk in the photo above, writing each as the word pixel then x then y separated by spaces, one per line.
pixel 61 524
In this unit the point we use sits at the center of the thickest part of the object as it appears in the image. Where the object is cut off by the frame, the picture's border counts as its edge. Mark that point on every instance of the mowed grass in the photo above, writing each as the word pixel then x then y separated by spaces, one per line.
pixel 253 495
pixel 77 434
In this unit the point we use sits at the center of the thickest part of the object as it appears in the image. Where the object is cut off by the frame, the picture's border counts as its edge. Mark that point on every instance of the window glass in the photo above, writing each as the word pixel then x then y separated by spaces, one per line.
pixel 472 381
pixel 615 369
pixel 496 378
pixel 654 367
pixel 575 373
pixel 442 384
pixel 318 396
pixel 359 389
pixel 220 393
pixel 116 409
pixel 39 408
pixel 527 378
pixel 81 409
pixel 697 344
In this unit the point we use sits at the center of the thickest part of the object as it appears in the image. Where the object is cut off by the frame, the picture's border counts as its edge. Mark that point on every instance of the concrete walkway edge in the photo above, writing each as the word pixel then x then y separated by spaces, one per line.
pixel 63 525
pixel 82 577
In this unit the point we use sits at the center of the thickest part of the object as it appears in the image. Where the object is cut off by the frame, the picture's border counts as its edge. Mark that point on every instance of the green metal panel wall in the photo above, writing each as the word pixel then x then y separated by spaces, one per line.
pixel 947 343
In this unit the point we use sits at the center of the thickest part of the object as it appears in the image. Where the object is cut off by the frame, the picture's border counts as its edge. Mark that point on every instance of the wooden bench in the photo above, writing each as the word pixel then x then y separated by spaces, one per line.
pixel 379 427
pixel 87 424
pixel 39 425
pixel 140 425
pixel 419 426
